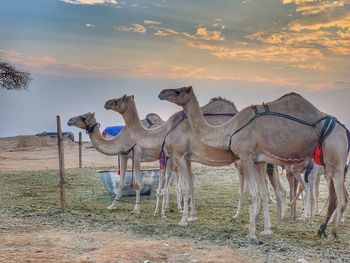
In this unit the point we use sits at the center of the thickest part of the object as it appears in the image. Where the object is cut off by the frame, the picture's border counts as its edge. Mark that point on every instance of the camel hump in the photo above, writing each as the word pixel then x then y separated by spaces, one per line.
pixel 154 118
pixel 296 105
pixel 219 105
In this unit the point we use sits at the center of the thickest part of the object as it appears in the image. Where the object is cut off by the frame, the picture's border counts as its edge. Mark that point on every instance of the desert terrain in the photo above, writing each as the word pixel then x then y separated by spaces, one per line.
pixel 32 228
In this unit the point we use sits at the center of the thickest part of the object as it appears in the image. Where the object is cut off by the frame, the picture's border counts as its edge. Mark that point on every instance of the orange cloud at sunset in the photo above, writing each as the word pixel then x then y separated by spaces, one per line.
pixel 341 23
pixel 312 7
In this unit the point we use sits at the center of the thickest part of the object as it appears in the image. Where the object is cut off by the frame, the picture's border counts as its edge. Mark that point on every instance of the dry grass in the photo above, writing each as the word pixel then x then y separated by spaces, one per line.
pixel 33 196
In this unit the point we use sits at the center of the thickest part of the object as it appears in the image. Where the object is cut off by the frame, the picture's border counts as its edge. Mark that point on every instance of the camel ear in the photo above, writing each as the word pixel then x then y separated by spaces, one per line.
pixel 132 96
pixel 189 89
pixel 124 98
pixel 93 114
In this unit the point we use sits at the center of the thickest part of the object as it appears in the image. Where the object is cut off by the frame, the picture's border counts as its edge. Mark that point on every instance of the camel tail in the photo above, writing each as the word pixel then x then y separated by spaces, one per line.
pixel 269 169
pixel 308 169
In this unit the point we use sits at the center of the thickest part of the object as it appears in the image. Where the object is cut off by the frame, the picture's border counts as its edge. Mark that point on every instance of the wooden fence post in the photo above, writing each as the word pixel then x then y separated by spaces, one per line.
pixel 61 165
pixel 80 151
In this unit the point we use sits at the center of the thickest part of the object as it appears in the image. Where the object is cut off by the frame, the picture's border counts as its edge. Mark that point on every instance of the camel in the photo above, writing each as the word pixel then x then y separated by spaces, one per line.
pixel 175 136
pixel 126 148
pixel 283 132
pixel 307 182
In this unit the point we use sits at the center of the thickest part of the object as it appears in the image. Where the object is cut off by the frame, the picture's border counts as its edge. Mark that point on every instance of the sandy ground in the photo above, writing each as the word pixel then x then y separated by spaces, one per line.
pixel 24 153
pixel 47 245
pixel 21 241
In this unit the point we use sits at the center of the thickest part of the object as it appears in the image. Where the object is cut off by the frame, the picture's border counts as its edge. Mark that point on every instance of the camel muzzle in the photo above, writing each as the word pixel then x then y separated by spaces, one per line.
pixel 70 122
pixel 108 105
pixel 164 94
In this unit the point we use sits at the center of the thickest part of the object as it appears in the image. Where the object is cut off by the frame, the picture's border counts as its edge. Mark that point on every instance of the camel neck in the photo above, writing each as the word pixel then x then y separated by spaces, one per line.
pixel 212 136
pixel 147 138
pixel 114 146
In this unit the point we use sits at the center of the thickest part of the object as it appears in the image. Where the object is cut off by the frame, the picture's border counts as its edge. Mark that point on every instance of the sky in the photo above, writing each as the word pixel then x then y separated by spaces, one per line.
pixel 81 53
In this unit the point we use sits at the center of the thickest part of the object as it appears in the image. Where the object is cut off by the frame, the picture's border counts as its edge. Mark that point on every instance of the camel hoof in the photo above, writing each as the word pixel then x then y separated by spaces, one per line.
pixel 164 216
pixel 266 232
pixel 252 237
pixel 192 219
pixel 183 223
pixel 322 231
pixel 111 207
pixel 135 211
pixel 236 216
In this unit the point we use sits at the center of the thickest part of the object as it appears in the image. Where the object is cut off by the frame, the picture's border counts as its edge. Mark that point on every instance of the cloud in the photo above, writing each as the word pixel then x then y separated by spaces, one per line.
pixel 270 49
pixel 340 23
pixel 90 25
pixel 90 2
pixel 151 22
pixel 337 43
pixel 137 28
pixel 203 33
pixel 152 69
pixel 313 7
pixel 50 65
pixel 160 69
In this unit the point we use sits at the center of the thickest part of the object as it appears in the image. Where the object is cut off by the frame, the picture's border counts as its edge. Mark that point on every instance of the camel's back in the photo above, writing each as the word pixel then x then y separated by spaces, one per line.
pixel 296 106
pixel 217 106
pixel 154 119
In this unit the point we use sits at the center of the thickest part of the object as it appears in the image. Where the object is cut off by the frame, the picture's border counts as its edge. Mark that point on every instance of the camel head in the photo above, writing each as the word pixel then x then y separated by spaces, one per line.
pixel 83 121
pixel 119 105
pixel 178 96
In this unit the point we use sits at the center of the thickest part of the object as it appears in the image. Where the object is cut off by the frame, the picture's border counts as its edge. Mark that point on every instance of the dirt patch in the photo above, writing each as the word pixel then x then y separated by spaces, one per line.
pixel 23 142
pixel 49 246
pixel 32 229
pixel 33 153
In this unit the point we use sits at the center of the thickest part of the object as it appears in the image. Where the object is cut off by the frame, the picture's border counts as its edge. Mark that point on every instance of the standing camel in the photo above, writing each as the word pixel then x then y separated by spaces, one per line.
pixel 178 141
pixel 285 131
pixel 124 146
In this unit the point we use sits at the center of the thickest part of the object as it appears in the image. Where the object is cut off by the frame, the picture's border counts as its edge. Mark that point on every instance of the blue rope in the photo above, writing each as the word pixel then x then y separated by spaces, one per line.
pixel 326 130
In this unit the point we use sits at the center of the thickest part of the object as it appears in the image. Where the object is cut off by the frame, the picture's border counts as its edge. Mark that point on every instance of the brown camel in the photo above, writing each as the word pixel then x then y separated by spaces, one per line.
pixel 264 134
pixel 178 141
pixel 124 146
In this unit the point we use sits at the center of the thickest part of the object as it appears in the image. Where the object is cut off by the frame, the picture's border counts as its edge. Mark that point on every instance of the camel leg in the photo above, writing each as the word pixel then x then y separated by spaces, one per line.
pixel 165 203
pixel 241 191
pixel 338 181
pixel 317 193
pixel 178 191
pixel 137 168
pixel 331 207
pixel 280 193
pixel 346 197
pixel 250 172
pixel 312 196
pixel 193 215
pixel 123 164
pixel 159 190
pixel 264 196
pixel 324 205
pixel 292 192
pixel 185 172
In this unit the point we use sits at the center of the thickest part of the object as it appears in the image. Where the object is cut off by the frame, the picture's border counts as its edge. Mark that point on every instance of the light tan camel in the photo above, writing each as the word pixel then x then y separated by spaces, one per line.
pixel 263 134
pixel 180 143
pixel 124 146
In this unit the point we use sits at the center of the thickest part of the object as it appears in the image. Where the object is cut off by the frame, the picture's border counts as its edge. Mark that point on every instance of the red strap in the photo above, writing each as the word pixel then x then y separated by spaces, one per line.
pixel 318 155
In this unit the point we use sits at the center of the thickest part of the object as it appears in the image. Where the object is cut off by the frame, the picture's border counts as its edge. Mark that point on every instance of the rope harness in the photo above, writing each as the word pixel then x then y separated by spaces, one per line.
pixel 162 157
pixel 327 128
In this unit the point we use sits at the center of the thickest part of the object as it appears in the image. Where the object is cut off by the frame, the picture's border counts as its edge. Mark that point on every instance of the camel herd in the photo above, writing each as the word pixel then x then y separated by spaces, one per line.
pixel 288 132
